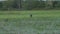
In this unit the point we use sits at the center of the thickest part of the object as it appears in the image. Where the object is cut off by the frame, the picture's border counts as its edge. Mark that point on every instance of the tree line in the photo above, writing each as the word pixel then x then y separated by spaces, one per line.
pixel 29 4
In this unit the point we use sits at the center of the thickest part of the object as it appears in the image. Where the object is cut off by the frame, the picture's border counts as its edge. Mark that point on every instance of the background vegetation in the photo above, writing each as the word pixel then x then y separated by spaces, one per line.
pixel 29 4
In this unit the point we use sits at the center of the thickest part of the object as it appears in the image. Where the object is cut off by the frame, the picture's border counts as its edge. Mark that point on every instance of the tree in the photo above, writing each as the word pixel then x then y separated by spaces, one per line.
pixel 49 4
pixel 19 4
pixel 9 4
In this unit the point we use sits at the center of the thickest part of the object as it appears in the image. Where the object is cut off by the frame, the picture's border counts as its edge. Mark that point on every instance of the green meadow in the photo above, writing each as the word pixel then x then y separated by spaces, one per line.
pixel 20 22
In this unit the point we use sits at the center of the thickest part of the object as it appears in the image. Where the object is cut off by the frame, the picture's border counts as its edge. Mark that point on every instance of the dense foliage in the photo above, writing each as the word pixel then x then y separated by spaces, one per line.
pixel 29 4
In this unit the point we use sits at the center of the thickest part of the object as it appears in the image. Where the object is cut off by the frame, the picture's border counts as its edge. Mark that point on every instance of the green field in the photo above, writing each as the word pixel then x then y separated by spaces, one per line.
pixel 20 22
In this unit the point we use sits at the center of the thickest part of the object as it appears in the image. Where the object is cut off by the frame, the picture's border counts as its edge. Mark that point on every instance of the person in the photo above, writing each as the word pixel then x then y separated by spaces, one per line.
pixel 31 15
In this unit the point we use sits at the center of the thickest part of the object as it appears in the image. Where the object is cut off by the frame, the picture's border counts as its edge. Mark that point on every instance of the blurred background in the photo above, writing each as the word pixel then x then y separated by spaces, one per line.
pixel 29 4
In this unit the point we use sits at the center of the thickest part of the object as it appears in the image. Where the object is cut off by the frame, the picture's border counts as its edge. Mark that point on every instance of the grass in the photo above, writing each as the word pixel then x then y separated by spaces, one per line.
pixel 19 22
pixel 26 14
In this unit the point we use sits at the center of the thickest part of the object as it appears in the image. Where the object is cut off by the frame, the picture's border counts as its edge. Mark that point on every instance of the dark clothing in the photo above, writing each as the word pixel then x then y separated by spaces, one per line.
pixel 31 15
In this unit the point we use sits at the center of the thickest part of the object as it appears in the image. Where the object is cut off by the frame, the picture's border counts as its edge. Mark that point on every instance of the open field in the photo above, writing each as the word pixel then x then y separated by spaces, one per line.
pixel 20 22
